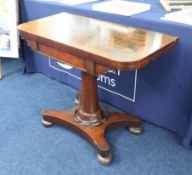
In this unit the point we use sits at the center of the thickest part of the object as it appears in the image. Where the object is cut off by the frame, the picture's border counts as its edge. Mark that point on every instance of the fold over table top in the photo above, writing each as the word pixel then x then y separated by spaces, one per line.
pixel 107 44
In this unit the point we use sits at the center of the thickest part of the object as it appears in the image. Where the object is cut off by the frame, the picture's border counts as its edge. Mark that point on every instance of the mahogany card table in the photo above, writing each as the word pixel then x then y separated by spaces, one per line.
pixel 94 46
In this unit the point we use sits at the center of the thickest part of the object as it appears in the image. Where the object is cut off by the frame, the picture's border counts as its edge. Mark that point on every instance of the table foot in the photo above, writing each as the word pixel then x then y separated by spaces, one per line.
pixel 94 134
pixel 46 123
pixel 135 130
pixel 105 159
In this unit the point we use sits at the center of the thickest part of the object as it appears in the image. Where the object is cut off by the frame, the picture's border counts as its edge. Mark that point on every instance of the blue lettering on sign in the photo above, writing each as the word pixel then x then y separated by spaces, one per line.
pixel 119 83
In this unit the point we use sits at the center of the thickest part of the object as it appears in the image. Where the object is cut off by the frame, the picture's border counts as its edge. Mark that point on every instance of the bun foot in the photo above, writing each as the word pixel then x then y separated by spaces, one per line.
pixel 46 123
pixel 135 130
pixel 105 160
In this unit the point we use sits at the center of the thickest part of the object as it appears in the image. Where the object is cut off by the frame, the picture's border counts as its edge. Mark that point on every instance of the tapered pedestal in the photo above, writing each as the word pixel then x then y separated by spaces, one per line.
pixel 89 120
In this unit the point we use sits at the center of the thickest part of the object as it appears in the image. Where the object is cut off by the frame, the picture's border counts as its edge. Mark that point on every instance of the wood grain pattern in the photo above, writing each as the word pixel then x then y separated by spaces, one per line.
pixel 108 44
pixel 96 135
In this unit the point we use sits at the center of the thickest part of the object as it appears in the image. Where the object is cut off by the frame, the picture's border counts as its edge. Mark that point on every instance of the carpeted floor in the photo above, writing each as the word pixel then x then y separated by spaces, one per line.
pixel 28 148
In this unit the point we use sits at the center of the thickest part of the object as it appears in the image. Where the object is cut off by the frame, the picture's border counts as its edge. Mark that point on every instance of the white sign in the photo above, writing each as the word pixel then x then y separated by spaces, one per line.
pixel 126 8
pixel 75 2
pixel 182 16
pixel 8 28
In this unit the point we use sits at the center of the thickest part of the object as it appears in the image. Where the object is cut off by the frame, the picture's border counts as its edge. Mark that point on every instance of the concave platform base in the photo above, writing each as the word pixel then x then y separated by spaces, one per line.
pixel 94 134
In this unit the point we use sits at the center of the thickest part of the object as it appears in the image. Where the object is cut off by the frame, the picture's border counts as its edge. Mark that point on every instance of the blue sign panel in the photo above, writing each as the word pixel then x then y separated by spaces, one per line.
pixel 117 83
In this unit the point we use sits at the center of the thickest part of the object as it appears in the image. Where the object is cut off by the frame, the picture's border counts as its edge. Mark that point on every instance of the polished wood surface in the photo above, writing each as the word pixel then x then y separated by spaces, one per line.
pixel 93 46
pixel 103 42
pixel 94 134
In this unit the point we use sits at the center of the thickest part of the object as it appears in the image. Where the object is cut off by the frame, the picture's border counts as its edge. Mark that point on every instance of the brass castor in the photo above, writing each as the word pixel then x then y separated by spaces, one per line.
pixel 46 123
pixel 105 160
pixel 135 130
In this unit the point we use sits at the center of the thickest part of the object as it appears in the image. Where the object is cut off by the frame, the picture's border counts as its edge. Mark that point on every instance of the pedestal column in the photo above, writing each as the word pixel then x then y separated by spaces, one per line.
pixel 89 111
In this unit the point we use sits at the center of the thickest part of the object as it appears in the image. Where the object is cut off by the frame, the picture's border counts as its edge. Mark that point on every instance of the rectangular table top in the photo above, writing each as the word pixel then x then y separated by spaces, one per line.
pixel 112 45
